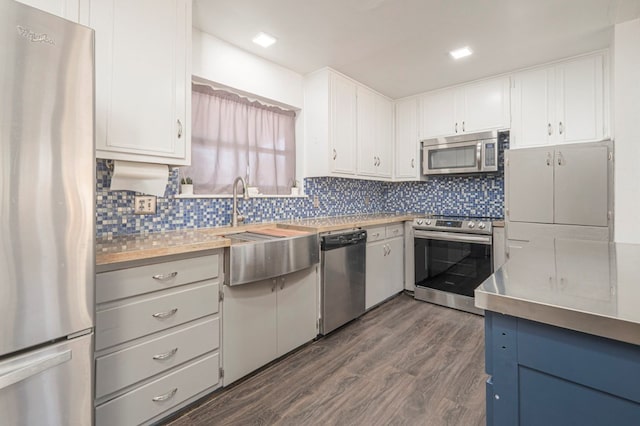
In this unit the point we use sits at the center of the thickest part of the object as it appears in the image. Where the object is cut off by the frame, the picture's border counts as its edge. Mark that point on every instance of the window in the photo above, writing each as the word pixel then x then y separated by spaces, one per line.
pixel 234 136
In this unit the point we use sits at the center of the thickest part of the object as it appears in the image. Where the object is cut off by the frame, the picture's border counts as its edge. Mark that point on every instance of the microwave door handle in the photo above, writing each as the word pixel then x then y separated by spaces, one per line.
pixel 479 155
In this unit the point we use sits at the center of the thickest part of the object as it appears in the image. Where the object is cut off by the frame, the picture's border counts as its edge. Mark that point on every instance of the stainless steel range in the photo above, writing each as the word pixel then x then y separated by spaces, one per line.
pixel 453 255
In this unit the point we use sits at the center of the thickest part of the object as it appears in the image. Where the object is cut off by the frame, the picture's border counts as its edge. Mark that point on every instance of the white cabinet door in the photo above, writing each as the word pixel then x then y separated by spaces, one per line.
pixel 581 194
pixel 533 108
pixel 564 103
pixel 485 105
pixel 376 273
pixel 499 247
pixel 367 132
pixel 297 309
pixel 529 185
pixel 437 114
pixel 395 266
pixel 342 124
pixel 580 100
pixel 249 324
pixel 407 145
pixel 384 136
pixel 68 9
pixel 143 90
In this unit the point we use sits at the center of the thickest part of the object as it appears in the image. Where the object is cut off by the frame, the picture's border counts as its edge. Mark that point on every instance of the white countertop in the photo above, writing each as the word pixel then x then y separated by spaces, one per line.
pixel 588 286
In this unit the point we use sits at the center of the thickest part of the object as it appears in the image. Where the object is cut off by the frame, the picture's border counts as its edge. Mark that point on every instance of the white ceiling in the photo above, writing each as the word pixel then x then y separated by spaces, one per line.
pixel 400 47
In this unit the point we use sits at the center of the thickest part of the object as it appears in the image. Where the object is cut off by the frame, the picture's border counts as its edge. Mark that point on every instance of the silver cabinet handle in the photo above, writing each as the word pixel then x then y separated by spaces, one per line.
pixel 413 163
pixel 375 161
pixel 548 158
pixel 167 314
pixel 335 154
pixel 560 127
pixel 273 287
pixel 463 126
pixel 160 357
pixel 165 277
pixel 166 396
pixel 31 367
pixel 179 128
pixel 395 232
pixel 559 158
pixel 456 128
pixel 281 283
pixel 549 129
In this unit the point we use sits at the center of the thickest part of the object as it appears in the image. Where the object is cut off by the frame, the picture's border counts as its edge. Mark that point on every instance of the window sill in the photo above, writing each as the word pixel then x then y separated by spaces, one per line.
pixel 239 196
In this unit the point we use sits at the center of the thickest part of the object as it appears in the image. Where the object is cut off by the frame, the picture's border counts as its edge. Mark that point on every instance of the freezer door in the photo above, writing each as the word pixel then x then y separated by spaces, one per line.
pixel 47 170
pixel 49 386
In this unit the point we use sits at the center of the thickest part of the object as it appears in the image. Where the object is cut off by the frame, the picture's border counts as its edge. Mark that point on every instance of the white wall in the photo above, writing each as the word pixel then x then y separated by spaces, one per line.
pixel 627 131
pixel 223 63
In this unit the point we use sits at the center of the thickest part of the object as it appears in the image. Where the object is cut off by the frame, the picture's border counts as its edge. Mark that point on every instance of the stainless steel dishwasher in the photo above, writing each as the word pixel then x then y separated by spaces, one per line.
pixel 343 278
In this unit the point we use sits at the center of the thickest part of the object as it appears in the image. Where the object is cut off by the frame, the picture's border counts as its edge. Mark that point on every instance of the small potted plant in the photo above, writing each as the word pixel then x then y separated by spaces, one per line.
pixel 295 189
pixel 186 186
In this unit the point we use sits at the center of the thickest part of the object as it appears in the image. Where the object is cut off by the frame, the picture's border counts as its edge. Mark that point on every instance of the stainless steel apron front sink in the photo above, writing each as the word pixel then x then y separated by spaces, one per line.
pixel 255 257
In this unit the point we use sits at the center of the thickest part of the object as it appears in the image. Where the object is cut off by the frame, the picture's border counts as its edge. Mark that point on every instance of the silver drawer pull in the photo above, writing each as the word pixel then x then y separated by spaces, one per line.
pixel 165 277
pixel 167 314
pixel 166 396
pixel 165 355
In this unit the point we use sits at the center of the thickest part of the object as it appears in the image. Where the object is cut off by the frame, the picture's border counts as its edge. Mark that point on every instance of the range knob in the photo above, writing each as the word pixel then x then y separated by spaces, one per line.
pixel 419 221
pixel 481 225
pixel 428 222
pixel 471 224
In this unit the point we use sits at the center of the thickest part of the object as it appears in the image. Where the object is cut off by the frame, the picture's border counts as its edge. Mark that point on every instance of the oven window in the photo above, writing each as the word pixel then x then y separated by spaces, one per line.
pixel 452 158
pixel 450 266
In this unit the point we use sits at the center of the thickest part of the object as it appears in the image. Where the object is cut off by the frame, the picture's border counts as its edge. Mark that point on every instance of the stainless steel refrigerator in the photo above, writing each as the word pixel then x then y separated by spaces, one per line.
pixel 47 170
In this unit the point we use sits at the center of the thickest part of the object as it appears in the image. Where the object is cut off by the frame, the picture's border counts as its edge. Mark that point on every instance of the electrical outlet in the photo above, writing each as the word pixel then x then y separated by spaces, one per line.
pixel 316 202
pixel 367 200
pixel 144 204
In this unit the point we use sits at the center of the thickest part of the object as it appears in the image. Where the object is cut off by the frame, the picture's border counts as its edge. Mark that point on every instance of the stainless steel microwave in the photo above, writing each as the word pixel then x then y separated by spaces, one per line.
pixel 469 153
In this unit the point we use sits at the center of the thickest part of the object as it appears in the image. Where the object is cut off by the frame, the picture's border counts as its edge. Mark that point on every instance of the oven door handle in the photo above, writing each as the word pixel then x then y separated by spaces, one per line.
pixel 452 236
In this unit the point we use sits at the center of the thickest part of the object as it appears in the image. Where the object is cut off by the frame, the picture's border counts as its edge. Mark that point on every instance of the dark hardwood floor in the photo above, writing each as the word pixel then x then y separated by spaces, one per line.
pixel 404 363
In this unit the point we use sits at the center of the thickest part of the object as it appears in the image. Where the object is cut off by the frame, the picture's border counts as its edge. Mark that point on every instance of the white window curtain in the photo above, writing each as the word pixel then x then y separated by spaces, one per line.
pixel 233 136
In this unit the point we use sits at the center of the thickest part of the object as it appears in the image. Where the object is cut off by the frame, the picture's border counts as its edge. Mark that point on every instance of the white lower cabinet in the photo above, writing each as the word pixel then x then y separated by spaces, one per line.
pixel 157 338
pixel 267 319
pixel 384 264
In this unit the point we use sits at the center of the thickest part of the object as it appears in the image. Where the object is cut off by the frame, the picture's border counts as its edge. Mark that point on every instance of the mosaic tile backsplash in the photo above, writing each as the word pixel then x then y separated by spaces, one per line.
pixel 449 195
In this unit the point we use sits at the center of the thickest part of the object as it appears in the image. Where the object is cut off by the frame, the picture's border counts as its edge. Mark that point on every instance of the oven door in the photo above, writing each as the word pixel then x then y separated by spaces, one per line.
pixel 452 262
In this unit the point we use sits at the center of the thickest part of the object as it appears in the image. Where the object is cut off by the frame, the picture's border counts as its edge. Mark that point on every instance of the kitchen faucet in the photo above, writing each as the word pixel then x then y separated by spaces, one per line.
pixel 235 217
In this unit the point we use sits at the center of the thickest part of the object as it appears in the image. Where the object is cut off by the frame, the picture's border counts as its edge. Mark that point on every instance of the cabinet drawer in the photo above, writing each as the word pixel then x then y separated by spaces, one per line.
pixel 160 395
pixel 148 315
pixel 116 285
pixel 128 366
pixel 396 230
pixel 375 234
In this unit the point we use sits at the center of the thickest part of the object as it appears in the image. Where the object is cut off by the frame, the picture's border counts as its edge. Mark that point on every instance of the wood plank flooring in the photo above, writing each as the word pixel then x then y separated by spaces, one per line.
pixel 404 363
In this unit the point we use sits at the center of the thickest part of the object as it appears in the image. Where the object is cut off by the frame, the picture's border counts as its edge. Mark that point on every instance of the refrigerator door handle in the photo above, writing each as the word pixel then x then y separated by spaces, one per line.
pixel 32 367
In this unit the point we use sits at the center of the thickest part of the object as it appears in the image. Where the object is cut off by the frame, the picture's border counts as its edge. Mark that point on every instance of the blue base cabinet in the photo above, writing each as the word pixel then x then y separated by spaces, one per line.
pixel 546 375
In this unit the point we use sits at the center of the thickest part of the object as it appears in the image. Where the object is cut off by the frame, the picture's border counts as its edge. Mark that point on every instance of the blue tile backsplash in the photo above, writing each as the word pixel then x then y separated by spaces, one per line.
pixel 449 195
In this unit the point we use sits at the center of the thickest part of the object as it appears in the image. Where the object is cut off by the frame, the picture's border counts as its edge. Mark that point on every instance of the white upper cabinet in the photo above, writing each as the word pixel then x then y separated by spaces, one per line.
pixel 343 125
pixel 68 9
pixel 375 137
pixel 330 118
pixel 407 152
pixel 348 128
pixel 563 103
pixel 143 80
pixel 473 107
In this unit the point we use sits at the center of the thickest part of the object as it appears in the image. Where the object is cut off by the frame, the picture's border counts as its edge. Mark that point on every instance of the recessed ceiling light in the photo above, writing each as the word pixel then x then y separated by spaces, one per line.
pixel 264 39
pixel 460 53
